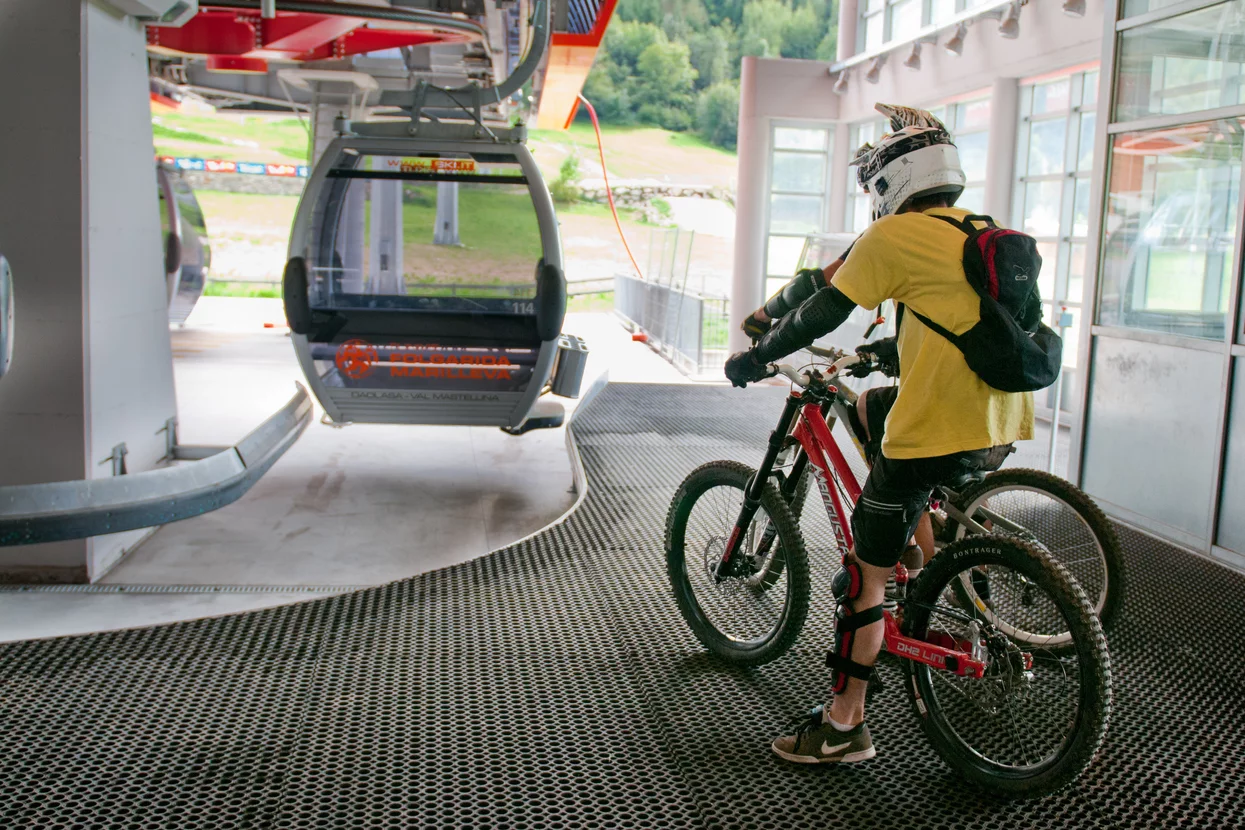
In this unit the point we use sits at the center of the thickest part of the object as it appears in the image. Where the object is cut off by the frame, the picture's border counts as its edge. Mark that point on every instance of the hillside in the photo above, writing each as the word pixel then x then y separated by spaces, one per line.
pixel 630 152
pixel 250 231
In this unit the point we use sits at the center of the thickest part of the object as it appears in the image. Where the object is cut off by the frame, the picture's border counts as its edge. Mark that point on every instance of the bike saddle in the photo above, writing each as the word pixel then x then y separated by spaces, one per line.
pixel 960 482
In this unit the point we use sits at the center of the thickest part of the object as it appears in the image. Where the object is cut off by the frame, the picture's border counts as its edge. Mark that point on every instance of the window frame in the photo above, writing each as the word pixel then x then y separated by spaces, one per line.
pixel 827 153
pixel 1069 175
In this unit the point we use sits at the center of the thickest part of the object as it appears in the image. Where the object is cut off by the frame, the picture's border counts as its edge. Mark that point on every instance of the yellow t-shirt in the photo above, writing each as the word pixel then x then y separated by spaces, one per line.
pixel 942 406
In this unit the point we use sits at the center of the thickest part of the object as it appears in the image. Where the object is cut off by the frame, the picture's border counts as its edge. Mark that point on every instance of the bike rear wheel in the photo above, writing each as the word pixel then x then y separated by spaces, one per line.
pixel 1031 725
pixel 753 613
pixel 1061 520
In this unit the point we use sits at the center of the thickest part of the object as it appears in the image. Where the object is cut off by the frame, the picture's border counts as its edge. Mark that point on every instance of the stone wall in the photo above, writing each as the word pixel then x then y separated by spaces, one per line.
pixel 641 194
pixel 242 183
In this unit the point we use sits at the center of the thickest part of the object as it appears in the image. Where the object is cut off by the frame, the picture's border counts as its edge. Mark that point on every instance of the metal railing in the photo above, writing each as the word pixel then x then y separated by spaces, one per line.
pixel 686 328
pixel 35 513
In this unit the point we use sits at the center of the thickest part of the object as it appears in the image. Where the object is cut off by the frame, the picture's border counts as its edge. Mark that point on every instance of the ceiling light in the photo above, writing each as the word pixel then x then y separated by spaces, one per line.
pixel 875 71
pixel 913 61
pixel 1074 8
pixel 956 44
pixel 1009 26
pixel 840 85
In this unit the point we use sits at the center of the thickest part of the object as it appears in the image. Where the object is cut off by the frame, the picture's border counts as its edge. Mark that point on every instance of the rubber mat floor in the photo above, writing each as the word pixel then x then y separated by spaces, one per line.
pixel 554 685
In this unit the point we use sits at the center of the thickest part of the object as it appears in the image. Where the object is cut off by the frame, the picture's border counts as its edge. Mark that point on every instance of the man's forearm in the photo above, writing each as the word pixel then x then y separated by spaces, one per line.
pixel 817 316
pixel 797 292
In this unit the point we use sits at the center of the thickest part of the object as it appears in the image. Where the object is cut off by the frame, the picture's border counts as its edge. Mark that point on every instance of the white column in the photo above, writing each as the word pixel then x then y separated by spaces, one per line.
pixel 1001 150
pixel 79 220
pixel 748 279
pixel 386 238
pixel 848 16
pixel 446 232
pixel 842 177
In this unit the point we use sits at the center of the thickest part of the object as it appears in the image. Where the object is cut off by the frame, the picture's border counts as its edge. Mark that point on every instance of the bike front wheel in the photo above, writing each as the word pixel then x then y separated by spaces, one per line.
pixel 1033 723
pixel 752 611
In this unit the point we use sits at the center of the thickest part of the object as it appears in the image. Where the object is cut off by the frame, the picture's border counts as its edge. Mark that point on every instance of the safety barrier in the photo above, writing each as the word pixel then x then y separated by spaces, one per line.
pixel 53 512
pixel 687 329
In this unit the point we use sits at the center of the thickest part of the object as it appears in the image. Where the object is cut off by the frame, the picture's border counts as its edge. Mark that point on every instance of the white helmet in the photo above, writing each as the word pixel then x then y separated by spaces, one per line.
pixel 917 158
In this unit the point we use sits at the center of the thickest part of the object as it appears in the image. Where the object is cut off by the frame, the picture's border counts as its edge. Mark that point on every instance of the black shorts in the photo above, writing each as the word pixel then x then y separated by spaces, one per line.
pixel 897 490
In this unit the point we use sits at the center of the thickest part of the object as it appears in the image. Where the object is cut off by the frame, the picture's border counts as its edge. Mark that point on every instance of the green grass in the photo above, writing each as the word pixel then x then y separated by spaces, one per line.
pixel 231 137
pixel 499 224
pixel 602 210
pixel 238 289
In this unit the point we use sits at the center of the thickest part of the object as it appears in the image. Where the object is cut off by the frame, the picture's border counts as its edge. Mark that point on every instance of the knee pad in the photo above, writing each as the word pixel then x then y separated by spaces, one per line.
pixel 846 583
pixel 847 586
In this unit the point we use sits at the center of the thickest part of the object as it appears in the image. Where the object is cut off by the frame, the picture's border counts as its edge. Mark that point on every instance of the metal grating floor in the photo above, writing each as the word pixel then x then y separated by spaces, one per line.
pixel 553 685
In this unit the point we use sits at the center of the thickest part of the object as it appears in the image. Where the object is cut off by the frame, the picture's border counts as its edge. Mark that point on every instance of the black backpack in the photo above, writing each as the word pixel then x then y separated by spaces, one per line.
pixel 1010 348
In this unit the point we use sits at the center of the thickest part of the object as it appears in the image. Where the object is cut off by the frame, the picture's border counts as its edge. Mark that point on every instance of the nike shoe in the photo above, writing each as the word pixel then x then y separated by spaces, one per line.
pixel 815 742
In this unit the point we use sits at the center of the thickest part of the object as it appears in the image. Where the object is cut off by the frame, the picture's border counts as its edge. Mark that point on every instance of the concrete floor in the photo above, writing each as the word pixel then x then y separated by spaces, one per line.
pixel 361 505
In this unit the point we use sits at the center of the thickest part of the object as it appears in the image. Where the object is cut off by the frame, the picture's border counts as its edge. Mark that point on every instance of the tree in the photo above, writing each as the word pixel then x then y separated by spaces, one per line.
pixel 710 53
pixel 762 29
pixel 627 41
pixel 802 34
pixel 611 100
pixel 717 114
pixel 665 85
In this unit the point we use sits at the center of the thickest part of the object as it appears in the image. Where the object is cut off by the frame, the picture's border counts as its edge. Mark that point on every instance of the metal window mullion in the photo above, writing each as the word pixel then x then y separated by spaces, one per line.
pixel 1161 338
pixel 808 193
pixel 1164 13
pixel 1163 121
pixel 1231 329
pixel 1107 75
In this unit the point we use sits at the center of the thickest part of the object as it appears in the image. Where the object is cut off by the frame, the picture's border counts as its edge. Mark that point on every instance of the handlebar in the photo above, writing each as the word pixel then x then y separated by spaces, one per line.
pixel 842 362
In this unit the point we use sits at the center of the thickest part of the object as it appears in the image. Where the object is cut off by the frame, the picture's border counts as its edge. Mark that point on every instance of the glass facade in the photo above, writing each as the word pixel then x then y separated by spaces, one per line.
pixel 1184 64
pixel 1168 262
pixel 1170 228
pixel 799 185
pixel 1054 162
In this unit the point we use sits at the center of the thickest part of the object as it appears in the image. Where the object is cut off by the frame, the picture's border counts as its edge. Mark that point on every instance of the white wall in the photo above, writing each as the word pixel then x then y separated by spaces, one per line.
pixel 42 406
pixel 769 89
pixel 78 221
pixel 130 384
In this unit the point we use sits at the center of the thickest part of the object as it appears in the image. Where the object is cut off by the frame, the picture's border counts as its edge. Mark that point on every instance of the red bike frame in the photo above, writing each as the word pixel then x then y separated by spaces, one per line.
pixel 830 466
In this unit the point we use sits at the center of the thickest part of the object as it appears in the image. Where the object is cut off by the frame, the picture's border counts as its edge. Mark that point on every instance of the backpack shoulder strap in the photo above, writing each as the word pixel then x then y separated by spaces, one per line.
pixel 963 227
pixel 932 326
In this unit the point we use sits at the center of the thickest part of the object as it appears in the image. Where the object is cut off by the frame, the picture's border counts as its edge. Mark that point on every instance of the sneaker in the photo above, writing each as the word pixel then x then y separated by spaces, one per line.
pixel 815 742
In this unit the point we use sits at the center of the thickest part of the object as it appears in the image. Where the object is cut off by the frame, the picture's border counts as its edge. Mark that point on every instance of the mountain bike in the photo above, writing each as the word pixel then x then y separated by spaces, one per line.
pixel 1034 506
pixel 1013 690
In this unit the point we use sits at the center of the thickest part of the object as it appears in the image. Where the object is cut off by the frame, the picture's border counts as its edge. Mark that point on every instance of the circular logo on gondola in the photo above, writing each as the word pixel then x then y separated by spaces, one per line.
pixel 355 358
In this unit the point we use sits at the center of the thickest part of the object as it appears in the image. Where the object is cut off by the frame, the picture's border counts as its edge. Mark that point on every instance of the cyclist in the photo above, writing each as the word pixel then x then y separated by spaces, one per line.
pixel 943 420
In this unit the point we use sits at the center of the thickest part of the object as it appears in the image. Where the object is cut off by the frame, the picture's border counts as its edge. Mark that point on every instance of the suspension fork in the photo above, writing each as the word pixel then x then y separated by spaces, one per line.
pixel 756 485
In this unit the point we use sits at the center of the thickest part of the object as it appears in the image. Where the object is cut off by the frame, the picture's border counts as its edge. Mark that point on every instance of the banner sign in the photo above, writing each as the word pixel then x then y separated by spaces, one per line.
pixel 249 168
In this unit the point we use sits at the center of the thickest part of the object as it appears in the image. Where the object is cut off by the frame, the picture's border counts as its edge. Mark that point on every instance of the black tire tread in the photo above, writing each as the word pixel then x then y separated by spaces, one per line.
pixel 733 473
pixel 1090 644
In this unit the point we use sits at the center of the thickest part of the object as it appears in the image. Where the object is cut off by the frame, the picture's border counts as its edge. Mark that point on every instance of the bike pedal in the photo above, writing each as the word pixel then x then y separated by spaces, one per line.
pixel 876 686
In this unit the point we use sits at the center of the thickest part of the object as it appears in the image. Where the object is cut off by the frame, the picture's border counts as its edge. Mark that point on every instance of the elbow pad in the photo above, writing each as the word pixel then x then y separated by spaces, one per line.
pixel 819 315
pixel 795 293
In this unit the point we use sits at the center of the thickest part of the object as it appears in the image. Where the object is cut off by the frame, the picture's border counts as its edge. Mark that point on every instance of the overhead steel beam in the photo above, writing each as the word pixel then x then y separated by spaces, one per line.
pixel 35 513
pixel 470 95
